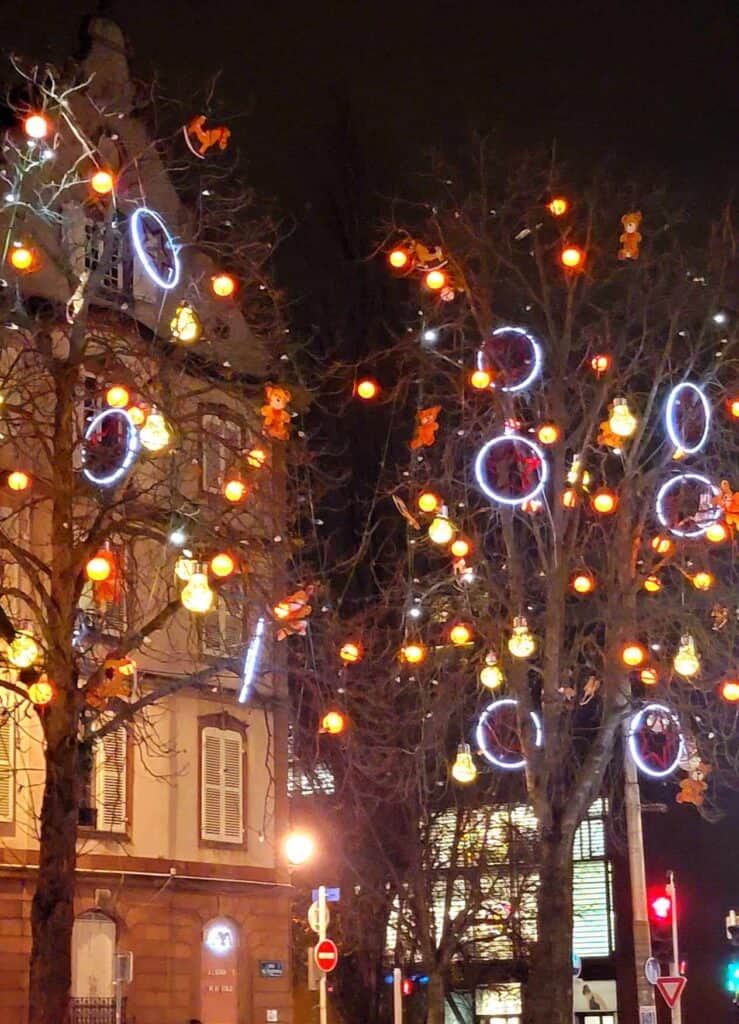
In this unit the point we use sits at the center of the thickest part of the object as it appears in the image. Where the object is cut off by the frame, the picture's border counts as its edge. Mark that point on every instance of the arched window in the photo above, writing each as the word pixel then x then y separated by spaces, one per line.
pixel 93 956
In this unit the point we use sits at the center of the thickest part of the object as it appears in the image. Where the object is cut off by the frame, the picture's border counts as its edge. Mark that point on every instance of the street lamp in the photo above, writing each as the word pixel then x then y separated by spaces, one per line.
pixel 299 847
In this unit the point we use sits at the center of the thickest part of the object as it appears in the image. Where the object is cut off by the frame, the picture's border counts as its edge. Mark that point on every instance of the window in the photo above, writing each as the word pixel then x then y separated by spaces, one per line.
pixel 104 604
pixel 105 788
pixel 499 1005
pixel 7 759
pixel 223 627
pixel 16 524
pixel 303 780
pixel 94 249
pixel 592 893
pixel 222 786
pixel 221 448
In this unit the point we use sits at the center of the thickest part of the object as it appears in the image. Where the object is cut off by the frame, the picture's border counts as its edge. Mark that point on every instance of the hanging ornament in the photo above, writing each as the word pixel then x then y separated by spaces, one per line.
pixel 728 501
pixel 222 565
pixel 406 512
pixel 23 651
pixel 686 661
pixel 515 356
pixel 102 183
pixel 656 741
pixel 491 674
pixel 293 613
pixel 351 651
pixel 22 258
pixel 693 788
pixel 275 416
pixel 687 418
pixel 498 737
pixel 428 501
pixel 155 248
pixel 440 529
pixel 511 469
pixel 460 634
pixel 463 769
pixel 622 421
pixel 685 504
pixel 41 692
pixel 196 595
pixel 413 653
pixel 155 435
pixel 426 427
pixel 36 126
pixel 185 325
pixel 630 239
pixel 200 139
pixel 522 643
pixel 333 723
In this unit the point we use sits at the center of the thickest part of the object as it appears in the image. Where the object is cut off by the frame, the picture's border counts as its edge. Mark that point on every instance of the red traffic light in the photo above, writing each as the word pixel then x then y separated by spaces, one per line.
pixel 407 986
pixel 660 907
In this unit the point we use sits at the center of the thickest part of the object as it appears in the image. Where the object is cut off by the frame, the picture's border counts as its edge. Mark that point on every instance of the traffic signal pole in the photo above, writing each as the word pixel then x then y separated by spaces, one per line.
pixel 637 874
pixel 677 1012
pixel 322 1009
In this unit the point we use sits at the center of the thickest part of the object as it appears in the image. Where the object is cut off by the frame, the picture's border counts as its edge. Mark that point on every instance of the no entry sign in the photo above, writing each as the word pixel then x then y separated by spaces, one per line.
pixel 326 955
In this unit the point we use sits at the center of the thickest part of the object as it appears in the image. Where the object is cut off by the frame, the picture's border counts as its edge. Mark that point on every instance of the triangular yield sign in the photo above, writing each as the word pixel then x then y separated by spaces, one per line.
pixel 671 988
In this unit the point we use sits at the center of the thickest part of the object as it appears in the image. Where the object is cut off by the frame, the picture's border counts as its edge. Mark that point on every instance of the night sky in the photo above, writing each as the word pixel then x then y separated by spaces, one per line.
pixel 650 86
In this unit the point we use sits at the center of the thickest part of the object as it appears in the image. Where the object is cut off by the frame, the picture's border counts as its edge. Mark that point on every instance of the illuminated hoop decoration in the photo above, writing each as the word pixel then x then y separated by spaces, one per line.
pixel 703 516
pixel 671 421
pixel 497 757
pixel 251 661
pixel 659 761
pixel 535 357
pixel 481 471
pixel 131 446
pixel 155 247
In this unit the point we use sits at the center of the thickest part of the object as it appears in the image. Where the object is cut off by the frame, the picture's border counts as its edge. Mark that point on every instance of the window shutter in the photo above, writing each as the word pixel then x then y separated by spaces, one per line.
pixel 221 448
pixel 222 796
pixel 7 764
pixel 223 627
pixel 17 527
pixel 110 781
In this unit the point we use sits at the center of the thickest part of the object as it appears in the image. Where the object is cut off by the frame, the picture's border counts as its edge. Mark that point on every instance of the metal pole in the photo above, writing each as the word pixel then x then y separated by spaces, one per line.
pixel 397 996
pixel 637 873
pixel 677 1011
pixel 119 1001
pixel 322 1008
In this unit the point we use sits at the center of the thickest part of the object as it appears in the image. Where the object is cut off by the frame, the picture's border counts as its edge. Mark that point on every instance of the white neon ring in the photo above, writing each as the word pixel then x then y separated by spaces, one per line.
pixel 671 416
pixel 484 486
pixel 635 725
pixel 132 447
pixel 143 255
pixel 535 348
pixel 715 513
pixel 480 736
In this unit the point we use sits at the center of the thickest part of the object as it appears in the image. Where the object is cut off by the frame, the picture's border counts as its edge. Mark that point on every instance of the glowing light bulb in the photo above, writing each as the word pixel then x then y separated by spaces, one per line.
pixel 99 567
pixel 428 501
pixel 481 379
pixel 572 257
pixel 622 421
pixel 548 433
pixel 184 567
pixel 661 544
pixel 102 183
pixel 413 653
pixel 23 651
pixel 351 651
pixel 235 490
pixel 491 675
pixel 463 769
pixel 41 693
pixel 155 435
pixel 649 676
pixel 196 594
pixel 652 584
pixel 604 501
pixel 36 126
pixel 435 280
pixel 633 654
pixel 256 458
pixel 734 407
pixel 729 690
pixel 717 532
pixel 18 480
pixel 223 285
pixel 686 662
pixel 185 325
pixel 440 529
pixel 460 634
pixel 333 722
pixel 601 363
pixel 521 643
pixel 583 582
pixel 703 580
pixel 569 498
pixel 399 258
pixel 461 547
pixel 299 848
pixel 222 564
pixel 117 396
pixel 367 389
pixel 559 206
pixel 21 258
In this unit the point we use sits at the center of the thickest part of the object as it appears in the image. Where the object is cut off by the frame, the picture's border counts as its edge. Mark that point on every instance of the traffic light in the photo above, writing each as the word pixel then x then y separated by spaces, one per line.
pixel 660 922
pixel 731 978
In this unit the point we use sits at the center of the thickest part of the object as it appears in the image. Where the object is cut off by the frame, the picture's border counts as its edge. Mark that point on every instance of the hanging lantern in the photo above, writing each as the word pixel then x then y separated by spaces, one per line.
pixel 463 769
pixel 440 529
pixel 18 480
pixel 559 206
pixel 548 433
pixel 633 654
pixel 717 532
pixel 196 595
pixel 729 690
pixel 460 634
pixel 572 257
pixel 155 435
pixel 333 722
pixel 399 258
pixel 460 547
pixel 481 379
pixel 185 325
pixel 522 643
pixel 686 662
pixel 601 363
pixel 491 674
pixel 36 126
pixel 23 651
pixel 117 396
pixel 222 565
pixel 256 458
pixel 235 490
pixel 102 183
pixel 223 285
pixel 41 693
pixel 604 501
pixel 703 580
pixel 22 258
pixel 367 389
pixel 649 676
pixel 184 567
pixel 661 544
pixel 429 502
pixel 435 280
pixel 583 582
pixel 100 567
pixel 351 651
pixel 569 497
pixel 622 421
pixel 652 584
pixel 413 653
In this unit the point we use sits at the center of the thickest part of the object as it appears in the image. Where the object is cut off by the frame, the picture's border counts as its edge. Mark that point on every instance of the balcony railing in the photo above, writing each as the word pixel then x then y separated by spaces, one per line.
pixel 94 1010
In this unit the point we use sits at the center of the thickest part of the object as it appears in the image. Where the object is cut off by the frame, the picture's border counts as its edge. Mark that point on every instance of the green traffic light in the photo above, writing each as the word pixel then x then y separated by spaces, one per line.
pixel 732 977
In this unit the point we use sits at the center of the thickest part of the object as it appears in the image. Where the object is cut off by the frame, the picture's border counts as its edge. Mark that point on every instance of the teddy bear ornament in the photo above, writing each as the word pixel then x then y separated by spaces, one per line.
pixel 630 239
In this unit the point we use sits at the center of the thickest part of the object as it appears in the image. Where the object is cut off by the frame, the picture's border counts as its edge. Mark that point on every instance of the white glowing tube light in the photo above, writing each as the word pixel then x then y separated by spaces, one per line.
pixel 131 451
pixel 495 495
pixel 251 661
pixel 673 428
pixel 708 515
pixel 144 257
pixel 485 750
pixel 536 352
pixel 634 727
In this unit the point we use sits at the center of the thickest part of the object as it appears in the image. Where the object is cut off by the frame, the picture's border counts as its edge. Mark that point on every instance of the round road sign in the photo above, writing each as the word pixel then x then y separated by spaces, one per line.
pixel 326 955
pixel 313 917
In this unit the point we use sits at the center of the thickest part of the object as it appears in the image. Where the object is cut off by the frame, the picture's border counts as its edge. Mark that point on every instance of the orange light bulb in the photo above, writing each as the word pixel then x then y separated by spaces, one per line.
pixel 717 532
pixel 36 126
pixel 548 433
pixel 102 183
pixel 256 458
pixel 222 564
pixel 604 502
pixel 569 497
pixel 558 206
pixel 429 502
pixel 223 285
pixel 18 480
pixel 398 258
pixel 351 652
pixel 99 567
pixel 661 544
pixel 583 583
pixel 601 363
pixel 649 676
pixel 367 389
pixel 652 584
pixel 460 547
pixel 117 396
pixel 41 693
pixel 572 257
pixel 734 407
pixel 21 258
pixel 633 654
pixel 730 690
pixel 435 280
pixel 333 722
pixel 703 580
pixel 460 634
pixel 481 379
pixel 413 653
pixel 235 490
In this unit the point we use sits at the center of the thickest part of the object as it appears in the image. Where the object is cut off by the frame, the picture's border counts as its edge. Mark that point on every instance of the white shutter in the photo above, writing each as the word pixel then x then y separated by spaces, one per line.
pixel 7 764
pixel 110 781
pixel 221 449
pixel 17 526
pixel 223 626
pixel 222 797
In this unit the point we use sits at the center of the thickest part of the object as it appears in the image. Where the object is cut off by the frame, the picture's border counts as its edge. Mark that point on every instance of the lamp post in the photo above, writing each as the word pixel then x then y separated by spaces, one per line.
pixel 299 848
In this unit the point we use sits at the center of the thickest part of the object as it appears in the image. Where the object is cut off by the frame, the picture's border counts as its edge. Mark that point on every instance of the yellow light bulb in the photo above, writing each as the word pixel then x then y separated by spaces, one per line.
pixel 441 530
pixel 703 580
pixel 686 662
pixel 463 769
pixel 185 325
pixel 491 676
pixel 23 650
pixel 196 594
pixel 521 643
pixel 622 421
pixel 460 634
pixel 413 653
pixel 652 584
pixel 155 435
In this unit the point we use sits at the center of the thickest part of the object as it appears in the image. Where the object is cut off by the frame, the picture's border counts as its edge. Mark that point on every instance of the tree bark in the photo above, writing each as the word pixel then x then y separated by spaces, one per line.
pixel 549 987
pixel 52 911
pixel 435 997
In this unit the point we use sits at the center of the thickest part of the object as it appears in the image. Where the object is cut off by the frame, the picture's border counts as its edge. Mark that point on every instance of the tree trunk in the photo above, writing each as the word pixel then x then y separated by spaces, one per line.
pixel 52 912
pixel 435 996
pixel 549 986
